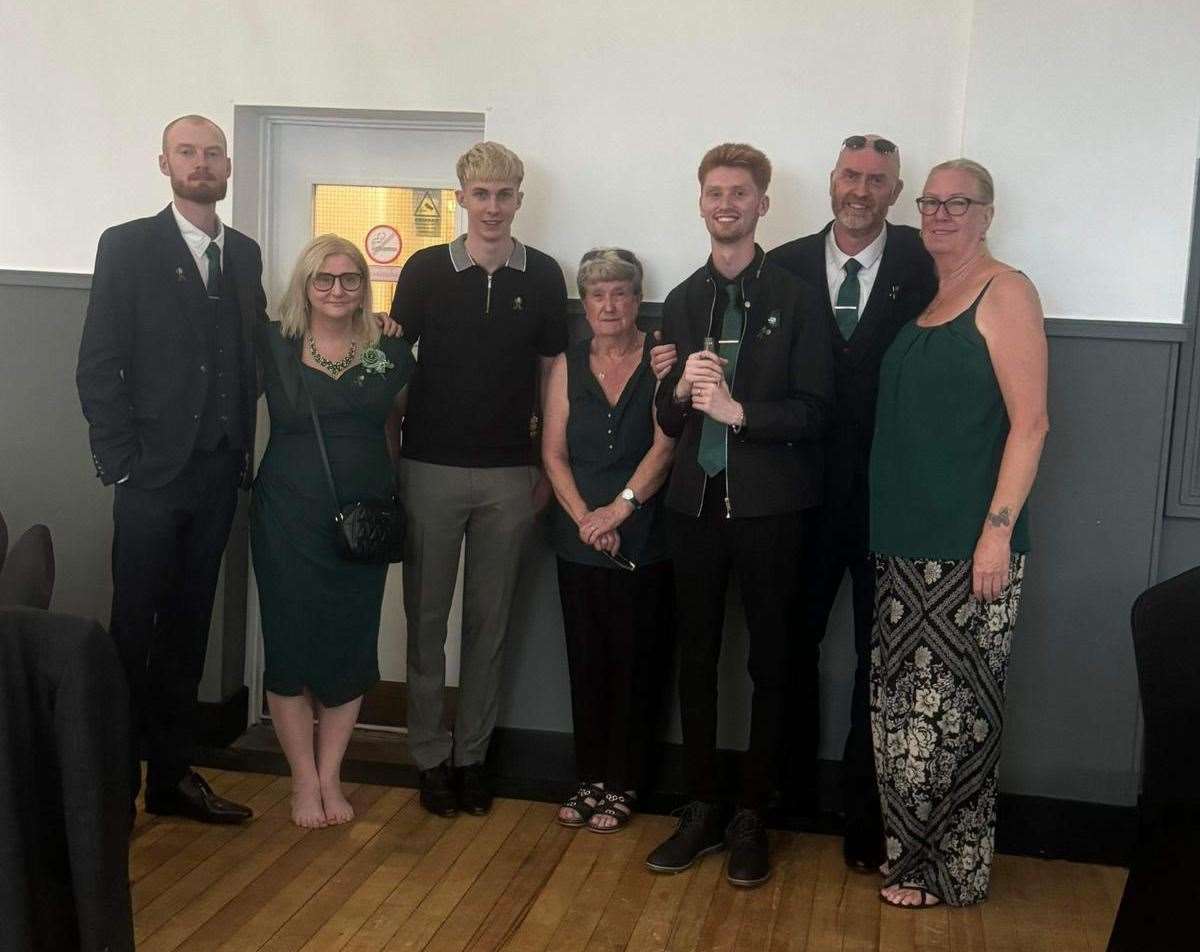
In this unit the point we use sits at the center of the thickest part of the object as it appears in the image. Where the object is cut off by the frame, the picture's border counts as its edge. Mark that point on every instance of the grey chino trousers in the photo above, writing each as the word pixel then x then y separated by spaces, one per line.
pixel 492 509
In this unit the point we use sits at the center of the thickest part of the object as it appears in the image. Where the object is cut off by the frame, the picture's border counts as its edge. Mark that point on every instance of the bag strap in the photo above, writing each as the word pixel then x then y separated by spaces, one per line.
pixel 312 409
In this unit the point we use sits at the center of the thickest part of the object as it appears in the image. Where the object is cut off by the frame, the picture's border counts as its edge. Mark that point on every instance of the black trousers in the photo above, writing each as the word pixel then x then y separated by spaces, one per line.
pixel 167 546
pixel 619 629
pixel 834 542
pixel 761 553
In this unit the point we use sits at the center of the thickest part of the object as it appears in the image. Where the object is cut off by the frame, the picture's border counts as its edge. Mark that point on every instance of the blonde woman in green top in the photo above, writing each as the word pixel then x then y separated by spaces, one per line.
pixel 959 432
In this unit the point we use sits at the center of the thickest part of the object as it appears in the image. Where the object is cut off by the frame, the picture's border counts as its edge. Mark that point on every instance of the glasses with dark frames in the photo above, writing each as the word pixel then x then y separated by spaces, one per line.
pixel 351 280
pixel 957 206
pixel 882 146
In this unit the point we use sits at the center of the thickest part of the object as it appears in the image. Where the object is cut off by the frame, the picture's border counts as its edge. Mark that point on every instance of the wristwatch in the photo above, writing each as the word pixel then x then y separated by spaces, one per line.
pixel 629 497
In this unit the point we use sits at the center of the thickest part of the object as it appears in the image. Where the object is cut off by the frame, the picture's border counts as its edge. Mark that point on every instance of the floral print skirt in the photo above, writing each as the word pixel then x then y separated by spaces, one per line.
pixel 938 665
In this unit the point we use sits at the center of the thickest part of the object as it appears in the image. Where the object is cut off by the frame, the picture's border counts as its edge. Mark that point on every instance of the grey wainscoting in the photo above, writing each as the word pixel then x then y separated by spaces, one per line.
pixel 1100 537
pixel 46 472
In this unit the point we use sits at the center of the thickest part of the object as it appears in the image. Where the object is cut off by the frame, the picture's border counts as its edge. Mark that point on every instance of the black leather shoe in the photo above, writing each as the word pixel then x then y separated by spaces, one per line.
pixel 437 793
pixel 862 846
pixel 701 830
pixel 749 859
pixel 474 794
pixel 193 797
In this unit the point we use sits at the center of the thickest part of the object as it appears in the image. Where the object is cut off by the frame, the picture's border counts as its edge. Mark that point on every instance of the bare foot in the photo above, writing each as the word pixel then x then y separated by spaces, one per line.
pixel 337 807
pixel 908 897
pixel 306 806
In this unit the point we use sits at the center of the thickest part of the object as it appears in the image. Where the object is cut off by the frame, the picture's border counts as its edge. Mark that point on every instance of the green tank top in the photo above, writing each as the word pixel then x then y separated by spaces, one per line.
pixel 940 430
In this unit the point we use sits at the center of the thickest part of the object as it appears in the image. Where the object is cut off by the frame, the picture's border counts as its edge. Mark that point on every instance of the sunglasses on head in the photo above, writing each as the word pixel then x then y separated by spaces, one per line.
pixel 882 146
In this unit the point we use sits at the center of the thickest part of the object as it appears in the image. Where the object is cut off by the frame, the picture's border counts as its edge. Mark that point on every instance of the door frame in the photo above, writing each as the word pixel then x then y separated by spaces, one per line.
pixel 254 128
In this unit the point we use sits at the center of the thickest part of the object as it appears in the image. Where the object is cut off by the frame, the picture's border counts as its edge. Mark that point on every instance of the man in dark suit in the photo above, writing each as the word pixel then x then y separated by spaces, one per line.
pixel 166 378
pixel 874 277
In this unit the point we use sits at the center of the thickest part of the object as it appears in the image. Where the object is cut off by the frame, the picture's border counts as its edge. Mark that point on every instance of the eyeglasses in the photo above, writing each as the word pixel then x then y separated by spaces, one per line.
pixel 957 207
pixel 351 280
pixel 882 146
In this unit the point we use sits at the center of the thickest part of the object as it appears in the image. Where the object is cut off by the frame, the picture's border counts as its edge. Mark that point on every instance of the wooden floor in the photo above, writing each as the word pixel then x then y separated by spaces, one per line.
pixel 398 878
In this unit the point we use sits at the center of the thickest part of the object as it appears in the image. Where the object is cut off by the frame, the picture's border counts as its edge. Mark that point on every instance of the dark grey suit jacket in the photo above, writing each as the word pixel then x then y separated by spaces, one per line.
pixel 905 284
pixel 143 373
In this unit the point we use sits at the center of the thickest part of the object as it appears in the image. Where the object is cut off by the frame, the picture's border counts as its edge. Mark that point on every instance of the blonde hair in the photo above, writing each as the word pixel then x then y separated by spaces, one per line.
pixel 489 162
pixel 609 264
pixel 294 310
pixel 737 155
pixel 983 178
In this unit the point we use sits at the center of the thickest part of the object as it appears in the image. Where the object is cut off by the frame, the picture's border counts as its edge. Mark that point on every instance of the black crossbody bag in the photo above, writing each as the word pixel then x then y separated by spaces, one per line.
pixel 371 532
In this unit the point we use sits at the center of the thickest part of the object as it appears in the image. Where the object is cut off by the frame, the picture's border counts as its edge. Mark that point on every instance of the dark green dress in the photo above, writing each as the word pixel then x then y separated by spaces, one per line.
pixel 320 613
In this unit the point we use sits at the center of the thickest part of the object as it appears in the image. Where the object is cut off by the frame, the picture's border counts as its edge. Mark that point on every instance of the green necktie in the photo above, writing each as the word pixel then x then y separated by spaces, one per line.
pixel 846 309
pixel 712 437
pixel 213 253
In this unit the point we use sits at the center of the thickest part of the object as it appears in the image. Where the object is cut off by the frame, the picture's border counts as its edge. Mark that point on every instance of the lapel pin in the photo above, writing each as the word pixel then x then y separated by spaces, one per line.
pixel 895 291
pixel 518 304
pixel 179 275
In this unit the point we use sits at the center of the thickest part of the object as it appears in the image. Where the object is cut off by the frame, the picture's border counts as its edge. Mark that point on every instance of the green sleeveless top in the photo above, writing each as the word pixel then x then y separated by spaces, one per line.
pixel 940 430
pixel 605 445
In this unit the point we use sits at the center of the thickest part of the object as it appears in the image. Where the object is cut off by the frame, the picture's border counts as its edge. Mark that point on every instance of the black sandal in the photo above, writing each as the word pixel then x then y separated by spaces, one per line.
pixel 926 899
pixel 578 802
pixel 617 805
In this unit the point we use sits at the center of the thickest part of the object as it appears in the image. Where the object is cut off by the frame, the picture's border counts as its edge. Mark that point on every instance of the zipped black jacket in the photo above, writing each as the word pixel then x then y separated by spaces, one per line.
pixel 784 380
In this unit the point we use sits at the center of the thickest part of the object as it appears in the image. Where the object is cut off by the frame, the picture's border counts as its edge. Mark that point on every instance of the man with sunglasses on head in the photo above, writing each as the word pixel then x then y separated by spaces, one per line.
pixel 874 277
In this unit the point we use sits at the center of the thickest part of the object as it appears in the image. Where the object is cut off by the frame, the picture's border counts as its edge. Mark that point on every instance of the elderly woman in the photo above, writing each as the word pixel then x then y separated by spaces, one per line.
pixel 320 613
pixel 606 459
pixel 960 427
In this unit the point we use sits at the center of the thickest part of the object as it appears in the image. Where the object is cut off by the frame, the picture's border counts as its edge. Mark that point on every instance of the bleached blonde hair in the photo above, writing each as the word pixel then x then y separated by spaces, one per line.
pixel 294 310
pixel 489 162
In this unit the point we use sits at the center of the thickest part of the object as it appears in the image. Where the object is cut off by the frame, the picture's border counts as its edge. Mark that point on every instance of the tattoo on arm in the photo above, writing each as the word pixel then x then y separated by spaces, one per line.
pixel 1001 518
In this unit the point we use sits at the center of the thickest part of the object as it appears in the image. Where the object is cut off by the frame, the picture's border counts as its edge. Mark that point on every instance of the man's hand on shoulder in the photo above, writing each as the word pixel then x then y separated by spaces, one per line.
pixel 388 327
pixel 662 357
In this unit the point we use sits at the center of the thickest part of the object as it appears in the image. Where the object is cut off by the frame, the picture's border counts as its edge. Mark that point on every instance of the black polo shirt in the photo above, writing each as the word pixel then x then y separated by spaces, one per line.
pixel 480 336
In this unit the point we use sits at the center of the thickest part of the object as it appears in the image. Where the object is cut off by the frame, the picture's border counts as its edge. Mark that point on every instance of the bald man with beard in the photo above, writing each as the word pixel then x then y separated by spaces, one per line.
pixel 166 378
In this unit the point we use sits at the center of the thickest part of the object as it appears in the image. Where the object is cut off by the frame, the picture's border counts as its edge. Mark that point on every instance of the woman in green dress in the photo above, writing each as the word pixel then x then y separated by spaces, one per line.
pixel 320 613
pixel 958 435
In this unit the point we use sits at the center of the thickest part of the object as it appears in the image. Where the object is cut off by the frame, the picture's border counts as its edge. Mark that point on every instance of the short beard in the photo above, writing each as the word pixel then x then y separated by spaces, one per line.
pixel 206 192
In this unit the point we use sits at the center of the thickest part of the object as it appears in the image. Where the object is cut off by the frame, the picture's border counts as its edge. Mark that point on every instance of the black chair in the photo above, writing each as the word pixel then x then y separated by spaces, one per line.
pixel 64 786
pixel 27 575
pixel 1162 892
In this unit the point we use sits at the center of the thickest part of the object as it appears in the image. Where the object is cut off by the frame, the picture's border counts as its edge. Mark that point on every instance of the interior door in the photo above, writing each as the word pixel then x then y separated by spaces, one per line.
pixel 383 186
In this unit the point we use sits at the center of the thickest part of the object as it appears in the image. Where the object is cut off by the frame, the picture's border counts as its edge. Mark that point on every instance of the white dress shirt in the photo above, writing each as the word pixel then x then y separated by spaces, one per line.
pixel 869 257
pixel 198 242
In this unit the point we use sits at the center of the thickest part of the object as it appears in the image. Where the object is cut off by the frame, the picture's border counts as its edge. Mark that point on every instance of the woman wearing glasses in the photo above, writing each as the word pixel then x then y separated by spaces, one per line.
pixel 606 459
pixel 959 432
pixel 320 613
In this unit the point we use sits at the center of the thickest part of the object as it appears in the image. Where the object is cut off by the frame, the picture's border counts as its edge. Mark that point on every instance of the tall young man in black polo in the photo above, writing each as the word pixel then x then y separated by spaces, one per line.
pixel 489 316
pixel 873 277
pixel 748 415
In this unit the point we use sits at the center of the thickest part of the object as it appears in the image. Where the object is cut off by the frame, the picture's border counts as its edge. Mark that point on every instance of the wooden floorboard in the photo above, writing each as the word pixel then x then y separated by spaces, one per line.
pixel 398 879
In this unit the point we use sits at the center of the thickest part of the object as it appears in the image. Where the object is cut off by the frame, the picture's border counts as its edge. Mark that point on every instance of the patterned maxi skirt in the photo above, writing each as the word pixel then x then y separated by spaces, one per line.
pixel 938 666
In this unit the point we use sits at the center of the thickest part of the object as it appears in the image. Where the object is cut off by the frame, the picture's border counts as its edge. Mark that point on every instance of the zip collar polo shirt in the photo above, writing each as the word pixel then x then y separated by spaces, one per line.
pixel 478 337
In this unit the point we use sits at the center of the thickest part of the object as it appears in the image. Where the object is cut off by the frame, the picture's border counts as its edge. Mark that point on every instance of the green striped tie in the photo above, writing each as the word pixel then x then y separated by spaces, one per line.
pixel 712 437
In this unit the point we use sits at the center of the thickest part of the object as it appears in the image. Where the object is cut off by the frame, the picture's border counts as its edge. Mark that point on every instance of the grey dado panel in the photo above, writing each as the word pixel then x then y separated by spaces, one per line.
pixel 1096 510
pixel 1097 529
pixel 46 472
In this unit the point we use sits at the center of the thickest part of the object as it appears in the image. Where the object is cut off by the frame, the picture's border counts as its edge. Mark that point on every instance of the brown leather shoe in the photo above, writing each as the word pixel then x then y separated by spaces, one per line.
pixel 193 797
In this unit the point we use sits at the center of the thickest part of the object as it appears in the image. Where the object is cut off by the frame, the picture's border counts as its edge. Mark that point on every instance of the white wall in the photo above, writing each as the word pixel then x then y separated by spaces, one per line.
pixel 1087 113
pixel 610 104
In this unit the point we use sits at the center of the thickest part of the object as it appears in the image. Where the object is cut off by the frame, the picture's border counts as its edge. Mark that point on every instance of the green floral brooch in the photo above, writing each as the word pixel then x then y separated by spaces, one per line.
pixel 374 361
